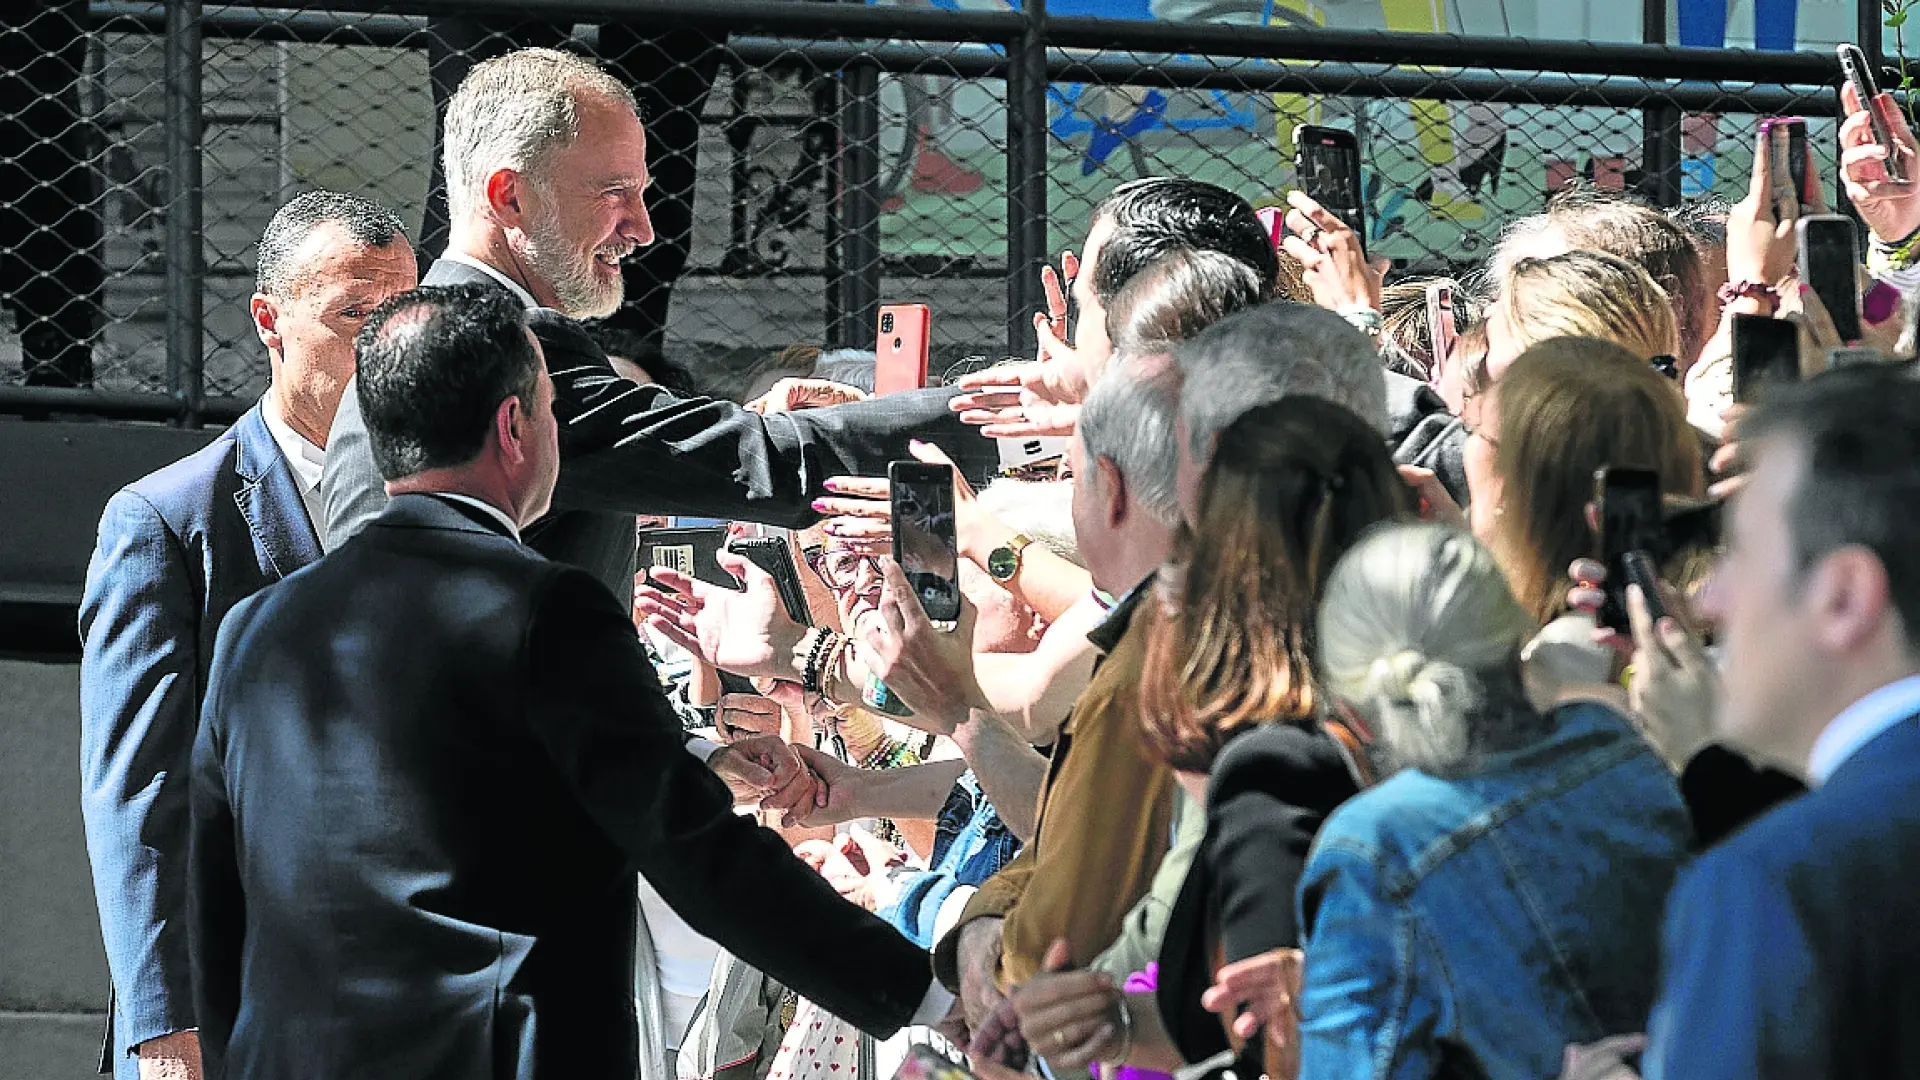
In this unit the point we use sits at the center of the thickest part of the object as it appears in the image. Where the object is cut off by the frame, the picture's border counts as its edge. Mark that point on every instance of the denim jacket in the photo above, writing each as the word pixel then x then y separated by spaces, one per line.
pixel 1475 926
pixel 970 845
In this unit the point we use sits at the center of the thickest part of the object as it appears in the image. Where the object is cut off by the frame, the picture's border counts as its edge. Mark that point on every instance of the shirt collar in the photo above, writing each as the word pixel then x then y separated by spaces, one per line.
pixel 488 508
pixel 526 297
pixel 305 459
pixel 1861 723
pixel 1119 617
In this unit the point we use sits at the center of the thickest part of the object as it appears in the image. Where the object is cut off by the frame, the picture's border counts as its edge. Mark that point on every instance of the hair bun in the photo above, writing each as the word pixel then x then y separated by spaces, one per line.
pixel 1393 677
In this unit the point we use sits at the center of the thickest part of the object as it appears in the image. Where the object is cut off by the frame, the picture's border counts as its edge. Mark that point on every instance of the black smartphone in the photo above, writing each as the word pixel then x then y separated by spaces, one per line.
pixel 923 538
pixel 1829 264
pixel 1327 162
pixel 1765 350
pixel 690 551
pixel 1853 63
pixel 1641 571
pixel 1630 520
pixel 775 556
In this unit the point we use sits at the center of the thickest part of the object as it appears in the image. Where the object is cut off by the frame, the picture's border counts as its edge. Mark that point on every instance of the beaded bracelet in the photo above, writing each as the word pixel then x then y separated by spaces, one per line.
pixel 1884 256
pixel 810 674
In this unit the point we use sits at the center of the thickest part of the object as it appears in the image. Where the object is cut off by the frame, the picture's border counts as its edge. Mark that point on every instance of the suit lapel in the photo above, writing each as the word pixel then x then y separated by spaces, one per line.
pixel 269 499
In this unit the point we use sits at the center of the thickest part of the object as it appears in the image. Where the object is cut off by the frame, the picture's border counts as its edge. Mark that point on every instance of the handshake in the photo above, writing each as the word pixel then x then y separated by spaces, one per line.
pixel 804 786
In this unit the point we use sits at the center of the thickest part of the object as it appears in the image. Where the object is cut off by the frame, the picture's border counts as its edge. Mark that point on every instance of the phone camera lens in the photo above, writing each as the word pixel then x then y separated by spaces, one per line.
pixel 897 343
pixel 886 323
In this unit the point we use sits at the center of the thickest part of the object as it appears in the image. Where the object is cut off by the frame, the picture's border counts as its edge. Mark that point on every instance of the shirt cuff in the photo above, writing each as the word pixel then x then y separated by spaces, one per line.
pixel 704 749
pixel 934 1007
pixel 951 908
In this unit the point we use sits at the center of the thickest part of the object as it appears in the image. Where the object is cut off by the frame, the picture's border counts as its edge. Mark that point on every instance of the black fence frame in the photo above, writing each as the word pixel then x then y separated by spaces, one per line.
pixel 1026 48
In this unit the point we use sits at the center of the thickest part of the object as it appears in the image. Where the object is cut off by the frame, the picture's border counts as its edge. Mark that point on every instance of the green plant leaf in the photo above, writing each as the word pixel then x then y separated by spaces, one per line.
pixel 1896 20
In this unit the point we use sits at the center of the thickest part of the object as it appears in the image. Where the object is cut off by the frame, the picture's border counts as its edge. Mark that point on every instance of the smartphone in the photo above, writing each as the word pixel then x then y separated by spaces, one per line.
pixel 923 1062
pixel 1440 328
pixel 1829 263
pixel 923 538
pixel 1853 63
pixel 1765 350
pixel 900 351
pixel 690 551
pixel 1327 162
pixel 1641 571
pixel 774 555
pixel 1789 154
pixel 1630 520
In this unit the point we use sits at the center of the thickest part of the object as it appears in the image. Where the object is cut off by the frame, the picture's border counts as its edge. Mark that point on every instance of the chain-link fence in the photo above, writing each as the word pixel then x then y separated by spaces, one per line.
pixel 811 159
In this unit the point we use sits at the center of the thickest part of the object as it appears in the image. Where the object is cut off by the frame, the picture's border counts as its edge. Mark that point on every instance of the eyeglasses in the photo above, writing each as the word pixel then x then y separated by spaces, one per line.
pixel 841 570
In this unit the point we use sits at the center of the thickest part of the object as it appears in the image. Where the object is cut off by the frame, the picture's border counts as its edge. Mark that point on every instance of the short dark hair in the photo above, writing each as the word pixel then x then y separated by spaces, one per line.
pixel 1160 214
pixel 1860 429
pixel 434 366
pixel 367 222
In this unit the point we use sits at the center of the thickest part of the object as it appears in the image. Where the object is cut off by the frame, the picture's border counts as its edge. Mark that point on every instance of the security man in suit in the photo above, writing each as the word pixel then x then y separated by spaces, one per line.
pixel 429 765
pixel 546 167
pixel 1786 951
pixel 176 550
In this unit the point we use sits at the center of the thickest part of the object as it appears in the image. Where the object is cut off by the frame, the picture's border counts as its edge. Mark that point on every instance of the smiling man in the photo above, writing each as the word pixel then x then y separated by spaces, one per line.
pixel 546 164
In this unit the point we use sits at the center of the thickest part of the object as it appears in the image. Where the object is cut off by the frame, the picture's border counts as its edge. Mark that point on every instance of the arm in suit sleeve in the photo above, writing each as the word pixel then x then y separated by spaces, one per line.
pixel 1739 995
pixel 1724 791
pixel 216 904
pixel 639 449
pixel 1271 791
pixel 594 703
pixel 350 483
pixel 139 703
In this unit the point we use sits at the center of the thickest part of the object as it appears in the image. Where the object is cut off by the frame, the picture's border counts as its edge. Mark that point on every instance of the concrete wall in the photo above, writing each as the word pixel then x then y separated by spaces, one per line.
pixel 53 971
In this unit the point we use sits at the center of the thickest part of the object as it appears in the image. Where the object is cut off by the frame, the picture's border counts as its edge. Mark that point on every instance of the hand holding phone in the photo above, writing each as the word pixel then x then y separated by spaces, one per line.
pixel 1766 350
pixel 1327 163
pixel 1784 140
pixel 1859 74
pixel 774 555
pixel 925 543
pixel 1642 572
pixel 1829 265
pixel 1630 520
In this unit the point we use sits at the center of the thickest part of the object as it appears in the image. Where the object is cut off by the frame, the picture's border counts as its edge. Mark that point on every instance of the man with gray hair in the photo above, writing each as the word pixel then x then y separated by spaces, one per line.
pixel 1260 356
pixel 178 549
pixel 546 164
pixel 1124 514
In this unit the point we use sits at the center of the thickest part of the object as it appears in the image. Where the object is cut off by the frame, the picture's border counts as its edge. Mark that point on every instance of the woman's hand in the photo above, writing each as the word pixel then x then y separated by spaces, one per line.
pixel 1674 688
pixel 1761 247
pixel 862 512
pixel 1267 985
pixel 856 865
pixel 1071 1018
pixel 1890 209
pixel 747 633
pixel 931 670
pixel 1336 268
pixel 1435 502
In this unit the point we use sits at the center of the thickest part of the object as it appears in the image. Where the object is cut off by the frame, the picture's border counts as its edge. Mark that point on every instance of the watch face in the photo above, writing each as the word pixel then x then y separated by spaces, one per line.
pixel 1002 563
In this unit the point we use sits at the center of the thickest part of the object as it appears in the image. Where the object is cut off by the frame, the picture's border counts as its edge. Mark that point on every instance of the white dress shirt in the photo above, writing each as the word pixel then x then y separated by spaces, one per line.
pixel 1861 723
pixel 492 511
pixel 304 458
pixel 468 260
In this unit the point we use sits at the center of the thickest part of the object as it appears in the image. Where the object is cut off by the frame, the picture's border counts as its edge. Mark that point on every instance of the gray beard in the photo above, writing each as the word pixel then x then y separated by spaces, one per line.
pixel 577 286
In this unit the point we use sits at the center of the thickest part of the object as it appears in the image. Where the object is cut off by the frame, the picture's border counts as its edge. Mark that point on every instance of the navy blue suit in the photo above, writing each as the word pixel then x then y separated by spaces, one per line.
pixel 177 550
pixel 1791 948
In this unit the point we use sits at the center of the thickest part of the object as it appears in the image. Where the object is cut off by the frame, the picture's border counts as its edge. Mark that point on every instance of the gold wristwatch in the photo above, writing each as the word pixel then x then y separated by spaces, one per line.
pixel 1003 562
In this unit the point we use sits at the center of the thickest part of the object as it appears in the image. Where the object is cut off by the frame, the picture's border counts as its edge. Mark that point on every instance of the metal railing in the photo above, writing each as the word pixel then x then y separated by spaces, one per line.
pixel 866 53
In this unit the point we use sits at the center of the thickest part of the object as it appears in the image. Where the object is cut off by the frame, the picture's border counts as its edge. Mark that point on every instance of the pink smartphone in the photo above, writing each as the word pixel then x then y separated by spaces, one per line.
pixel 900 353
pixel 1440 328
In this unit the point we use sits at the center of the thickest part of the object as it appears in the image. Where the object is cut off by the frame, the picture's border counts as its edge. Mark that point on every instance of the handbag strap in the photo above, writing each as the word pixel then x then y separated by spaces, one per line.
pixel 1344 728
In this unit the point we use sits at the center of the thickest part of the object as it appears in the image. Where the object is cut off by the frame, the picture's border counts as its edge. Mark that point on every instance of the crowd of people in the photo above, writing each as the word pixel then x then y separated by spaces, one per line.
pixel 1276 736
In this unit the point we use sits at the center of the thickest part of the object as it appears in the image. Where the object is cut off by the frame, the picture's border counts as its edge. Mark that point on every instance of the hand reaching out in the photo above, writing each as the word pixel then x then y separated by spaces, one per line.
pixel 863 514
pixel 747 633
pixel 793 395
pixel 765 767
pixel 1335 266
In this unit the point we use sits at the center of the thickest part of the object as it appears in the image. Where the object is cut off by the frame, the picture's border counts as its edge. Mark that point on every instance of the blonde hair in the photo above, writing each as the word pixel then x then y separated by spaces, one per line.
pixel 1589 294
pixel 511 111
pixel 1416 625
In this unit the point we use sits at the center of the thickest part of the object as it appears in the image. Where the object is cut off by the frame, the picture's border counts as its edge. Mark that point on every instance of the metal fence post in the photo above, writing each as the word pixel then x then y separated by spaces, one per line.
pixel 1660 149
pixel 185 261
pixel 859 292
pixel 1026 176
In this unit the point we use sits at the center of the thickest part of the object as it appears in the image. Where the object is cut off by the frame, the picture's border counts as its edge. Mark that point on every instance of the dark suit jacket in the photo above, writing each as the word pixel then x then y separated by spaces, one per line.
pixel 1791 946
pixel 176 550
pixel 1268 794
pixel 428 768
pixel 628 449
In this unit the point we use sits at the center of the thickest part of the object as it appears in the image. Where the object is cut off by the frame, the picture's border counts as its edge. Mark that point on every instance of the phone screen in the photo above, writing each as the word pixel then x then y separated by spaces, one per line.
pixel 1327 161
pixel 1765 350
pixel 1630 520
pixel 923 535
pixel 1827 264
pixel 1786 141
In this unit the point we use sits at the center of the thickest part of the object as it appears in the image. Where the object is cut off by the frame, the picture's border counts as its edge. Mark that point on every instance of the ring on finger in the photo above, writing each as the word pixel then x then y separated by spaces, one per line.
pixel 1311 237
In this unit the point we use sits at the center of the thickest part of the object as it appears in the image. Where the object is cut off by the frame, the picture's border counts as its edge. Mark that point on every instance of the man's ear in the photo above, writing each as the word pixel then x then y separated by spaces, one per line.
pixel 265 312
pixel 506 192
pixel 510 430
pixel 1113 491
pixel 1849 594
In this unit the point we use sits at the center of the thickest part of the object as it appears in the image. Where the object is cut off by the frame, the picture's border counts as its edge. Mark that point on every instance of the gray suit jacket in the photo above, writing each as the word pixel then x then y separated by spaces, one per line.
pixel 627 449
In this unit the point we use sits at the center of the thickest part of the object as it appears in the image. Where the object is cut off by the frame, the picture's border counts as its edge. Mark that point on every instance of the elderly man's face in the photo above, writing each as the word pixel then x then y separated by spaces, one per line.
pixel 586 210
